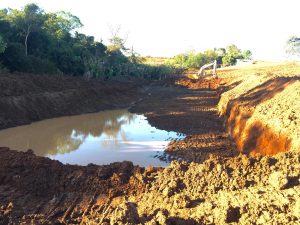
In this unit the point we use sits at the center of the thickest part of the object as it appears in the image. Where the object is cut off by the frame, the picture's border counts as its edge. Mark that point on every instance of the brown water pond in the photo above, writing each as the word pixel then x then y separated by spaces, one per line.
pixel 98 138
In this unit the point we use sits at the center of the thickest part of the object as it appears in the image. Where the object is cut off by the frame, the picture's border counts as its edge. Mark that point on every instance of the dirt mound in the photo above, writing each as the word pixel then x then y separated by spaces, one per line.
pixel 204 83
pixel 220 191
pixel 38 185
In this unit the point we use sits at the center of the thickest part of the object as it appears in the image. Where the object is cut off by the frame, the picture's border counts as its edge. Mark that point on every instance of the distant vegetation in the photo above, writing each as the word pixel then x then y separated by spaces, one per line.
pixel 34 41
pixel 224 56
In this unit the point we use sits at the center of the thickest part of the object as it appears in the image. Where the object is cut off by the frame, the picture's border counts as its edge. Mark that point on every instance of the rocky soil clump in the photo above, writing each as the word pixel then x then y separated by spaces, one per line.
pixel 239 190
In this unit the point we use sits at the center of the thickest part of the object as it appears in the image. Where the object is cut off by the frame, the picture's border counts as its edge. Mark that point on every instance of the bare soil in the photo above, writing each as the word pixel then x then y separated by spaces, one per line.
pixel 190 108
pixel 25 98
pixel 211 182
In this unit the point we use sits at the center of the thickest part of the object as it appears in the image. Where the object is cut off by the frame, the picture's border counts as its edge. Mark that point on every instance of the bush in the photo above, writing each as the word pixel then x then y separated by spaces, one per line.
pixel 41 66
pixel 14 59
pixel 2 45
pixel 192 59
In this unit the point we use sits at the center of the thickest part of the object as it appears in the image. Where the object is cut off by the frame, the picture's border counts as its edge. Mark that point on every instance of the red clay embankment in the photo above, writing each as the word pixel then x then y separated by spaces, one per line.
pixel 262 109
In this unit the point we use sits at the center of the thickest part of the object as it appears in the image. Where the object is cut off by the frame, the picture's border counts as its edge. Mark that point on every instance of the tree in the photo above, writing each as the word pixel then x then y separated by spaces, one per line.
pixel 293 46
pixel 211 55
pixel 221 52
pixel 228 60
pixel 247 54
pixel 27 21
pixel 34 41
pixel 134 57
pixel 61 24
pixel 232 54
pixel 117 43
pixel 2 45
pixel 233 50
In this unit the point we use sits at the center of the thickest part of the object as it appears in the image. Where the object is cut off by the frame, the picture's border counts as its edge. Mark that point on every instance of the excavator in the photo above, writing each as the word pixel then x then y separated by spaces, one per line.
pixel 213 64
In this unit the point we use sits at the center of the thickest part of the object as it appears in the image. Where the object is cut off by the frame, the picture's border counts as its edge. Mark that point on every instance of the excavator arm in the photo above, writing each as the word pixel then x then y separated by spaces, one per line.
pixel 213 64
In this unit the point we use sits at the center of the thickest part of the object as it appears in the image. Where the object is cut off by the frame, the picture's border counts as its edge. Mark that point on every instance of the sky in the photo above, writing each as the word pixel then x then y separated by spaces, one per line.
pixel 169 27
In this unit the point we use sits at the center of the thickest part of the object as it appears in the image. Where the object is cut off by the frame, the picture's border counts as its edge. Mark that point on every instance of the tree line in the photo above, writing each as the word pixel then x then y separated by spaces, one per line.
pixel 34 41
pixel 224 56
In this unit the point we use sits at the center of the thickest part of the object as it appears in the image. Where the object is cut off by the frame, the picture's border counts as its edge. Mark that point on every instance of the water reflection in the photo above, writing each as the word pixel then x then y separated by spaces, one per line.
pixel 99 138
pixel 65 134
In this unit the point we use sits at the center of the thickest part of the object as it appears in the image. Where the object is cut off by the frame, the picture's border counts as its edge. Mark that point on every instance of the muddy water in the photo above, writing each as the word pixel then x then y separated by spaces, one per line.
pixel 99 138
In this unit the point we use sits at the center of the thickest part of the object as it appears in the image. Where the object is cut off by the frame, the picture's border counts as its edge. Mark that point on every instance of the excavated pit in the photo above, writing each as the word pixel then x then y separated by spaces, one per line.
pixel 244 172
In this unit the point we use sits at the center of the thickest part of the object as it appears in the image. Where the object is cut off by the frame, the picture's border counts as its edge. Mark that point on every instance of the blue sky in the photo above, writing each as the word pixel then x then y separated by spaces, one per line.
pixel 169 27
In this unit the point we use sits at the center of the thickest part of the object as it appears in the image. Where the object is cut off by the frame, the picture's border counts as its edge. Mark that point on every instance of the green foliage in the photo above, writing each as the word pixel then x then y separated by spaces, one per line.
pixel 247 54
pixel 59 25
pixel 2 45
pixel 26 21
pixel 293 46
pixel 232 54
pixel 18 61
pixel 34 41
pixel 223 56
pixel 189 60
pixel 14 57
pixel 116 42
pixel 193 59
pixel 38 42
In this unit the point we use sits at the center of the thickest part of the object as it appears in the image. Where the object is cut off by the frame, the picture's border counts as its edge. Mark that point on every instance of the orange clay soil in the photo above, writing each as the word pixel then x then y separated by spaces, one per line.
pixel 262 109
pixel 215 184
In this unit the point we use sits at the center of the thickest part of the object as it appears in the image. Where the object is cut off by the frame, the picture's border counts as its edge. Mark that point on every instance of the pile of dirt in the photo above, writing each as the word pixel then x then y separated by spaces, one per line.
pixel 204 83
pixel 26 98
pixel 33 186
pixel 218 191
pixel 221 190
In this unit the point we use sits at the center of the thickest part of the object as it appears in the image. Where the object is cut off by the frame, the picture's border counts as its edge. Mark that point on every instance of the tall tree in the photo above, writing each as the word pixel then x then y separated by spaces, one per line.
pixel 28 20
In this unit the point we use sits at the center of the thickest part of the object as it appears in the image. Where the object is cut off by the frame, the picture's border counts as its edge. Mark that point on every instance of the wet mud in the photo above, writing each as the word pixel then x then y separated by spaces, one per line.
pixel 210 180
